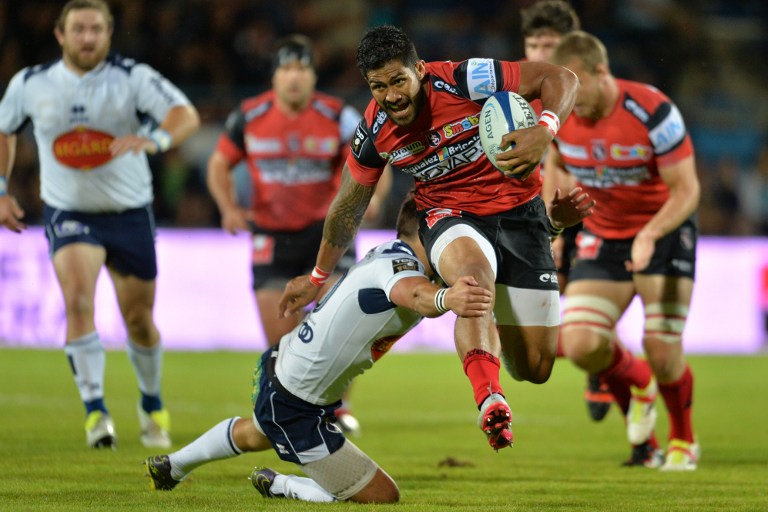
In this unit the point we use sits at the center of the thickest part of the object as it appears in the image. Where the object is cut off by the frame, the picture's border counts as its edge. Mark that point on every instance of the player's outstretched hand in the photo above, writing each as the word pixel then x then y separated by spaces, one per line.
pixel 11 214
pixel 298 293
pixel 466 298
pixel 569 210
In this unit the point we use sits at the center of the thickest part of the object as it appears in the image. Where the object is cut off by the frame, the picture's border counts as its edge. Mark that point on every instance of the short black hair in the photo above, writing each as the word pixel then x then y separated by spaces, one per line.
pixel 555 15
pixel 294 47
pixel 384 44
pixel 407 220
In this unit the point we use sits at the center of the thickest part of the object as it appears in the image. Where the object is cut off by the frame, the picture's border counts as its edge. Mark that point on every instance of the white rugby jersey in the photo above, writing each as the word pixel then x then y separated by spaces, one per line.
pixel 76 117
pixel 351 328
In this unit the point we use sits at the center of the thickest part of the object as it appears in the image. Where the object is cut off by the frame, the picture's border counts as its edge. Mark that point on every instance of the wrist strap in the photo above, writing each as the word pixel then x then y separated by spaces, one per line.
pixel 162 139
pixel 319 277
pixel 3 186
pixel 553 231
pixel 550 121
pixel 440 300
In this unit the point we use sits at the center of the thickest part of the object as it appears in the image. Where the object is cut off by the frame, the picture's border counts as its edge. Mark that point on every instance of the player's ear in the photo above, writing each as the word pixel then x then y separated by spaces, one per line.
pixel 421 69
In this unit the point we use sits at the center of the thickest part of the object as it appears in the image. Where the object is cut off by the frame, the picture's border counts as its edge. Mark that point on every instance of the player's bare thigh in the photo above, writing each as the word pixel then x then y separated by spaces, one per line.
pixel 136 299
pixel 77 267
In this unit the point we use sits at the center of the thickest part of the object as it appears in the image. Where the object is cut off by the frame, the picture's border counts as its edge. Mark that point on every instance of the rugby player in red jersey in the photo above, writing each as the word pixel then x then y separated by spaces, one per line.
pixel 474 220
pixel 627 145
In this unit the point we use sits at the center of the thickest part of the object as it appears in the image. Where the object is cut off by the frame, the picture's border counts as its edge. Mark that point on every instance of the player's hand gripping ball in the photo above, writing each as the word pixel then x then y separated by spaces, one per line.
pixel 502 113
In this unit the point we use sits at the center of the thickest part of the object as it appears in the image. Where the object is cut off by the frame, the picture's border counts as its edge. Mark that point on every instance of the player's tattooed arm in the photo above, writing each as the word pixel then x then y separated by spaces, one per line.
pixel 346 212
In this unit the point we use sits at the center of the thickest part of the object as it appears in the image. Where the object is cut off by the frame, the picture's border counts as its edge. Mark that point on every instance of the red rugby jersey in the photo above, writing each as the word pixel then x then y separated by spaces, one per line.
pixel 441 149
pixel 617 158
pixel 294 161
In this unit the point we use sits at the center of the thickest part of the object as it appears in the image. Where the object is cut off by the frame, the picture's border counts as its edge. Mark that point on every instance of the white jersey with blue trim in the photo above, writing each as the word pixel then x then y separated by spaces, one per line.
pixel 76 117
pixel 352 327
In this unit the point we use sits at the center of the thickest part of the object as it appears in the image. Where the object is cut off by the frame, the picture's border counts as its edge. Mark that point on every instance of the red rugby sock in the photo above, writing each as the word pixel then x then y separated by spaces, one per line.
pixel 482 368
pixel 678 397
pixel 626 370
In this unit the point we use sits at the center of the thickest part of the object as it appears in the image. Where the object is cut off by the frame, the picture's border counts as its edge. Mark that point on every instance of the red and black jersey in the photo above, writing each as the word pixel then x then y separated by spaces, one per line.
pixel 617 158
pixel 295 161
pixel 441 149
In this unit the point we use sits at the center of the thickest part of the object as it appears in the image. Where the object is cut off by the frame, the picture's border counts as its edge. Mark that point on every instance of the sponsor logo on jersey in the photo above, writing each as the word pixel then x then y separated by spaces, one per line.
pixel 448 158
pixel 441 85
pixel 401 153
pixel 669 133
pixel 404 264
pixel 437 214
pixel 599 152
pixel 305 333
pixel 481 78
pixel 635 152
pixel 83 148
pixel 262 145
pixel 453 129
pixel 321 145
pixel 381 118
pixel 358 140
pixel 572 150
pixel 434 139
pixel 548 278
pixel 603 176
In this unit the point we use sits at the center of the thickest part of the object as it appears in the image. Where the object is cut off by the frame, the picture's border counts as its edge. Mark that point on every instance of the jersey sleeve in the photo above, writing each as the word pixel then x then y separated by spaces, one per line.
pixel 231 142
pixel 480 78
pixel 12 116
pixel 364 163
pixel 397 268
pixel 668 134
pixel 155 94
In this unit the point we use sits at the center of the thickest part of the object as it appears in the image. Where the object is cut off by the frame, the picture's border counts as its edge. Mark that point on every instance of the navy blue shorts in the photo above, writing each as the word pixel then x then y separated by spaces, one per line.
pixel 279 256
pixel 519 236
pixel 603 259
pixel 299 432
pixel 128 237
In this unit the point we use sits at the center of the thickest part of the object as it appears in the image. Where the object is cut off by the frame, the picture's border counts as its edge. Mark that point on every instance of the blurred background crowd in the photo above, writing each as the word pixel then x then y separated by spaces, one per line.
pixel 707 55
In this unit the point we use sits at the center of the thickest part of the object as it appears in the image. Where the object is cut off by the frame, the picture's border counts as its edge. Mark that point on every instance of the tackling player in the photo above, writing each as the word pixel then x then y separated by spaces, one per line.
pixel 294 140
pixel 87 109
pixel 627 144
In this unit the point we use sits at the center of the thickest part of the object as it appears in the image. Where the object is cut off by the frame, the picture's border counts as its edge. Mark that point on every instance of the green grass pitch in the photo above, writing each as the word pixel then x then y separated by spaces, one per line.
pixel 416 411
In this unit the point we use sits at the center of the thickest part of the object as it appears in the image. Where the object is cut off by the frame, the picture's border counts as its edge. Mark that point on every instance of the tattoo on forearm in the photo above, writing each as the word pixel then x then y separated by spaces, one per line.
pixel 346 213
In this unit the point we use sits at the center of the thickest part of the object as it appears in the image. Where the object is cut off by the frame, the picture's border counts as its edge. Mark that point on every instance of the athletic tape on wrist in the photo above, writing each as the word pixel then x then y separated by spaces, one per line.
pixel 319 277
pixel 553 231
pixel 440 300
pixel 162 139
pixel 3 185
pixel 550 121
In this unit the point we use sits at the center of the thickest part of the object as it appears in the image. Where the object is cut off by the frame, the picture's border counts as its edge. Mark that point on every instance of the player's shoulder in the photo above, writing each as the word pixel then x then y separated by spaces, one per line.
pixel 255 106
pixel 35 71
pixel 642 95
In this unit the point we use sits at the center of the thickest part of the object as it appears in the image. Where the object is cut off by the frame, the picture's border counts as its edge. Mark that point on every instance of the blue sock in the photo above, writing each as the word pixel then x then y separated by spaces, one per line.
pixel 95 405
pixel 151 403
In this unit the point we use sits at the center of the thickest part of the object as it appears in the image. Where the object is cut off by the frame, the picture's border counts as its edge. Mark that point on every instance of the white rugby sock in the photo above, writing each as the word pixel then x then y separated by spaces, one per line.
pixel 216 444
pixel 87 361
pixel 299 488
pixel 148 365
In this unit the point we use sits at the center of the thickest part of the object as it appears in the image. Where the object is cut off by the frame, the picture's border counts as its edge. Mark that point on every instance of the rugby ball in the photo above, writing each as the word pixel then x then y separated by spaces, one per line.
pixel 503 112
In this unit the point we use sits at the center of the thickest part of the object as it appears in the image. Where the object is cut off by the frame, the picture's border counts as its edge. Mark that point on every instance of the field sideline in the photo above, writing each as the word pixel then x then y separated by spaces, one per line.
pixel 416 411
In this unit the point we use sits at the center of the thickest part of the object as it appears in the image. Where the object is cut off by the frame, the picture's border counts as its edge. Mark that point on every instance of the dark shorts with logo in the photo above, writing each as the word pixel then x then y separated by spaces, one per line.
pixel 128 236
pixel 298 431
pixel 279 256
pixel 599 258
pixel 519 236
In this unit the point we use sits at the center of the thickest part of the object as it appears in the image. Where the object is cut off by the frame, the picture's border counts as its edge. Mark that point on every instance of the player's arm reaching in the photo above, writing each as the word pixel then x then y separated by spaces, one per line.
pixel 465 297
pixel 221 186
pixel 10 211
pixel 341 224
pixel 684 193
pixel 557 87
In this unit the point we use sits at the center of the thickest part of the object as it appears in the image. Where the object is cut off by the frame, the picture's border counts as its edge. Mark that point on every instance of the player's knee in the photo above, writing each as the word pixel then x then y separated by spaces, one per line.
pixel 665 321
pixel 588 323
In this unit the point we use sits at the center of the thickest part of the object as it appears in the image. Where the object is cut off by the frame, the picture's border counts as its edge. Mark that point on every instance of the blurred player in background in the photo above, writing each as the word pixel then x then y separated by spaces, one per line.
pixel 294 140
pixel 87 110
pixel 474 220
pixel 301 380
pixel 626 143
pixel 543 25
